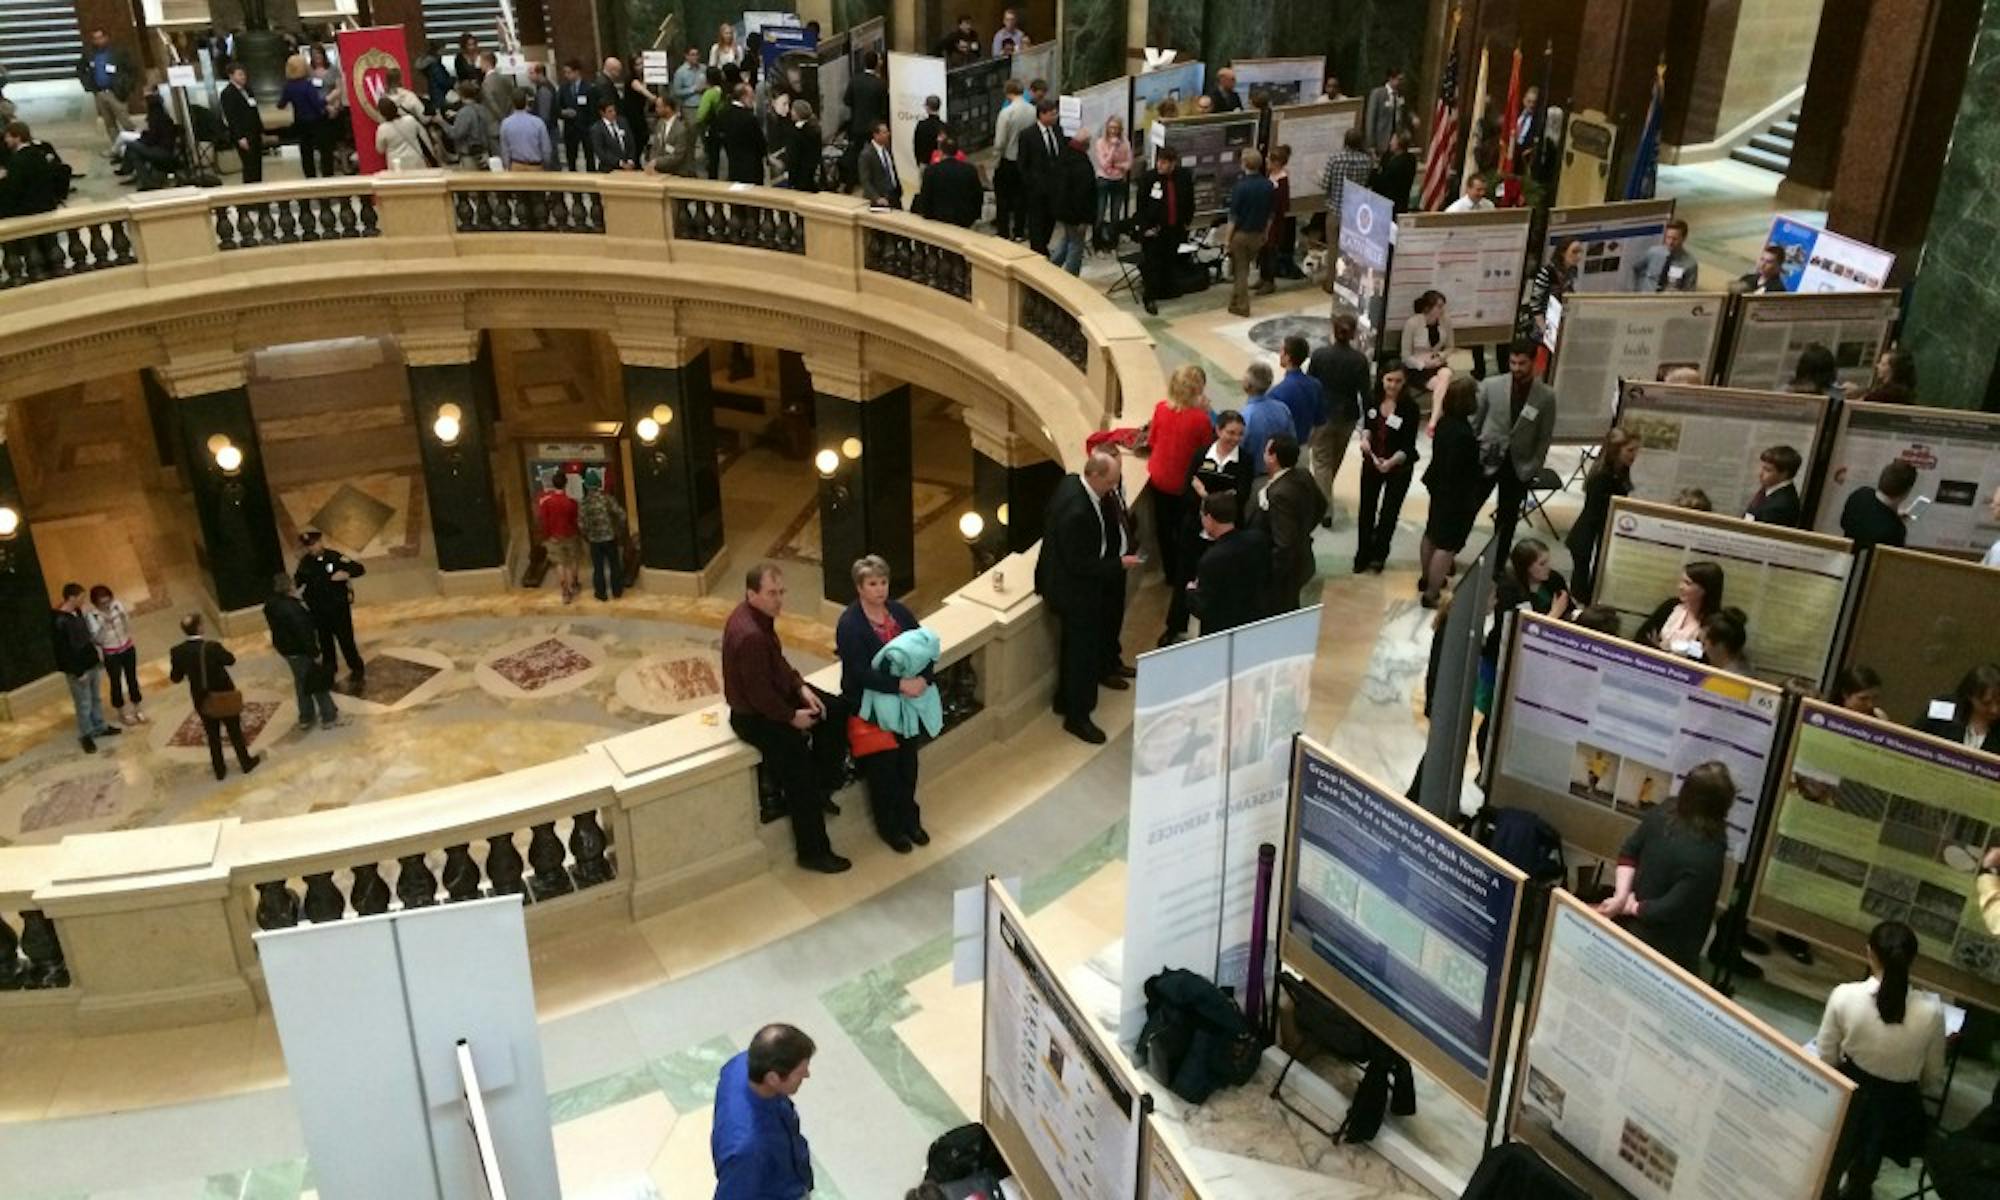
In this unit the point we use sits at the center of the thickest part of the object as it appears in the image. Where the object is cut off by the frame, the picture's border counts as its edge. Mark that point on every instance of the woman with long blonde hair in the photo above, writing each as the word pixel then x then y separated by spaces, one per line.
pixel 1180 430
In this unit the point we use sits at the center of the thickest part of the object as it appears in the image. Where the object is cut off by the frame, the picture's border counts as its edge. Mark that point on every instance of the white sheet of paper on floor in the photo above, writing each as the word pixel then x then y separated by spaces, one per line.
pixel 968 930
pixel 182 75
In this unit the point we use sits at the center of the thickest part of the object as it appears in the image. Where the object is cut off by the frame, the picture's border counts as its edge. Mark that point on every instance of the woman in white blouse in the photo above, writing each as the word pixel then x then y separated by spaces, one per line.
pixel 1889 1038
pixel 1427 346
pixel 726 49
pixel 1676 625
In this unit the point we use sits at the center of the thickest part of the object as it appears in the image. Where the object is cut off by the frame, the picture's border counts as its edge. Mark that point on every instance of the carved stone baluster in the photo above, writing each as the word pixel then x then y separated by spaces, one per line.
pixel 323 900
pixel 79 258
pixel 370 892
pixel 225 230
pixel 503 865
pixel 461 204
pixel 100 250
pixel 277 905
pixel 416 887
pixel 246 227
pixel 37 252
pixel 13 265
pixel 288 226
pixel 350 224
pixel 370 219
pixel 329 218
pixel 267 227
pixel 545 852
pixel 121 243
pixel 11 971
pixel 309 221
pixel 482 212
pixel 461 874
pixel 43 949
pixel 586 844
pixel 535 211
pixel 593 206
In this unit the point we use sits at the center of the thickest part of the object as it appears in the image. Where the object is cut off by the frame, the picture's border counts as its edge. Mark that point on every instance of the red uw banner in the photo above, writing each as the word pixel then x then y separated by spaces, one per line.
pixel 366 56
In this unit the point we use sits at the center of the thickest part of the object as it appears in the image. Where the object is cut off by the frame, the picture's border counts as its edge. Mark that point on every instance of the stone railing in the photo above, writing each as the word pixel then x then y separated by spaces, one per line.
pixel 154 927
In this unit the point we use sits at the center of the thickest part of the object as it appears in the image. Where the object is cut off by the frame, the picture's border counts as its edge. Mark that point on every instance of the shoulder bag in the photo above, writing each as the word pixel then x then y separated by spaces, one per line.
pixel 216 706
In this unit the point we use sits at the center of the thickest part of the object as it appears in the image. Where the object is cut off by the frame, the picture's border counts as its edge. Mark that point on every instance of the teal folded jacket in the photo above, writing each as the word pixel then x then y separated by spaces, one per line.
pixel 905 657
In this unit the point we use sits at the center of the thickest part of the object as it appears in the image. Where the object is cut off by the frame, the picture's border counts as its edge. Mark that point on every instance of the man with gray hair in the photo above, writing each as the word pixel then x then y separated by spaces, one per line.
pixel 1085 551
pixel 1264 415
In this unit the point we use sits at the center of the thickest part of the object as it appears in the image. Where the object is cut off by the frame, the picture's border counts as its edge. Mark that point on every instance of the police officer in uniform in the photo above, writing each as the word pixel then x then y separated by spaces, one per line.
pixel 324 574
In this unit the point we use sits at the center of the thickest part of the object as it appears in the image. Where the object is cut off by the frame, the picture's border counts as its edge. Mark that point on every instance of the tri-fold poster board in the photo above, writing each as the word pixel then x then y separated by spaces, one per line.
pixel 1604 339
pixel 1616 238
pixel 1638 1080
pixel 1957 457
pixel 1876 822
pixel 1211 147
pixel 1710 438
pixel 1403 921
pixel 1313 130
pixel 1791 584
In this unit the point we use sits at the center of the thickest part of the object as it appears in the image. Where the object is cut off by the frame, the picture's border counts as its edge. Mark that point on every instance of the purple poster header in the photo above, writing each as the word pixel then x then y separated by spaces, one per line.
pixel 1979 765
pixel 1612 650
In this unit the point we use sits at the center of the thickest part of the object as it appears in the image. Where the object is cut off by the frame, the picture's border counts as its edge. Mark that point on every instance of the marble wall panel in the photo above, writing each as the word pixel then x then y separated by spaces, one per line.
pixel 1093 42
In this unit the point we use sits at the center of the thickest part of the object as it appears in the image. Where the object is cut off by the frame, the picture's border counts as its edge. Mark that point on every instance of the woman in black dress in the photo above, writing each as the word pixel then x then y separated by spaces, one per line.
pixel 1388 462
pixel 1456 486
pixel 1610 476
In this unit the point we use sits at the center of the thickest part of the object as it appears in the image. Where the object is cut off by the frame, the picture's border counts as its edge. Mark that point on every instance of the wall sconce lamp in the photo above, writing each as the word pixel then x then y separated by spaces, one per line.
pixel 850 449
pixel 10 530
pixel 972 527
pixel 827 463
pixel 648 430
pixel 228 459
pixel 447 427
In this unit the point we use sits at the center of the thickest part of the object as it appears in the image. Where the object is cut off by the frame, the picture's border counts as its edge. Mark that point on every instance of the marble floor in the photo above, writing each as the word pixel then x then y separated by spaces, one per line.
pixel 635 1019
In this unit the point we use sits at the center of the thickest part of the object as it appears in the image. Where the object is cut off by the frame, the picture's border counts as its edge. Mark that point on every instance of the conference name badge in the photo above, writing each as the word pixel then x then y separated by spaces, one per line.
pixel 1393 422
pixel 1158 191
pixel 1530 412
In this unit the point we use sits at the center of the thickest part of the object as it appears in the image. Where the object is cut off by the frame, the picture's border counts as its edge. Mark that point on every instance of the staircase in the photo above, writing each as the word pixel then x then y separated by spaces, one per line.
pixel 1771 149
pixel 446 20
pixel 39 39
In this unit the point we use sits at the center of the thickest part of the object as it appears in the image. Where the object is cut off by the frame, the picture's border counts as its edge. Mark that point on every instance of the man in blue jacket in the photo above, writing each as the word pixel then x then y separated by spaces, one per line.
pixel 1300 393
pixel 759 1152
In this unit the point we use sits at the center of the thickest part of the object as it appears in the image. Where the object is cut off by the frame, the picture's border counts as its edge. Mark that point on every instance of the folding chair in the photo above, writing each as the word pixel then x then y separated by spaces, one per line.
pixel 1543 486
pixel 1128 276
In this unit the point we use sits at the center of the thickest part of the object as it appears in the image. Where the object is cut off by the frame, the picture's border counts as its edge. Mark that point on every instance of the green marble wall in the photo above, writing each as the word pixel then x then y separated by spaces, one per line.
pixel 849 13
pixel 1360 38
pixel 699 20
pixel 1093 37
pixel 1955 303
pixel 1177 24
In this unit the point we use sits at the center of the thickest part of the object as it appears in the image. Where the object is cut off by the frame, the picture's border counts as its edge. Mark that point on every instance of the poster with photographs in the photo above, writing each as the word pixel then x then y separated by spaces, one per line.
pixel 1279 81
pixel 1605 339
pixel 1957 459
pixel 1772 329
pixel 1179 83
pixel 1361 263
pixel 1615 238
pixel 973 96
pixel 1473 259
pixel 1641 1081
pixel 1816 260
pixel 1211 148
pixel 1877 823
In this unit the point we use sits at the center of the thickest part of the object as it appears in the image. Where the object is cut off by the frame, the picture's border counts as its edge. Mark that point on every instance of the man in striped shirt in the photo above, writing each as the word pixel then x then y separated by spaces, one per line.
pixel 1350 164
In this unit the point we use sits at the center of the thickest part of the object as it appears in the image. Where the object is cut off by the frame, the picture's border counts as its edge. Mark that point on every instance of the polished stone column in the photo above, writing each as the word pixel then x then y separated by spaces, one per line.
pixel 451 384
pixel 676 485
pixel 26 651
pixel 1618 52
pixel 861 428
pixel 1823 112
pixel 1012 480
pixel 1093 48
pixel 575 31
pixel 1955 305
pixel 239 531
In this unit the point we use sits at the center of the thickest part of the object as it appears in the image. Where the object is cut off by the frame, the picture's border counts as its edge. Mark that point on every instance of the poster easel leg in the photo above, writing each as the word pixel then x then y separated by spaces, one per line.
pixel 1277 1093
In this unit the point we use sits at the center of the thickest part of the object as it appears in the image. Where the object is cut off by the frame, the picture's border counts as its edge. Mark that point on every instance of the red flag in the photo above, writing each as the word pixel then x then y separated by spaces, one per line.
pixel 365 58
pixel 1444 130
pixel 1513 117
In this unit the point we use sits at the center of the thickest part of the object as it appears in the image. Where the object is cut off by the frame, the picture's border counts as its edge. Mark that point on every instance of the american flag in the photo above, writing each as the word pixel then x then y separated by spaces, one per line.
pixel 1444 131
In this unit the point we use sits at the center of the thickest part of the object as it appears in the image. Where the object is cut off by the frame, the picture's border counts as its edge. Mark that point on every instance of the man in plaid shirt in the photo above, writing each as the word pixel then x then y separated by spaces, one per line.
pixel 1350 163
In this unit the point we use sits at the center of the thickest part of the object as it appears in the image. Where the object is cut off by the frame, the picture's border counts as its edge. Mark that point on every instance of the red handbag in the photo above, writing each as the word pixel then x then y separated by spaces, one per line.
pixel 865 738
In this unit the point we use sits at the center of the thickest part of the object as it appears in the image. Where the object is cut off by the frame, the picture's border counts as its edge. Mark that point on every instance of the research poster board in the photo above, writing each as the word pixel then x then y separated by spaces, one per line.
pixel 912 79
pixel 872 34
pixel 830 84
pixel 1596 731
pixel 973 96
pixel 1875 823
pixel 1641 1081
pixel 1474 258
pixel 1211 147
pixel 1361 263
pixel 1283 80
pixel 1313 131
pixel 1957 457
pixel 1403 921
pixel 1181 83
pixel 1615 239
pixel 1790 583
pixel 1212 730
pixel 1922 620
pixel 1065 1109
pixel 1773 327
pixel 1168 1174
pixel 1709 438
pixel 1098 104
pixel 1042 61
pixel 1816 260
pixel 1604 339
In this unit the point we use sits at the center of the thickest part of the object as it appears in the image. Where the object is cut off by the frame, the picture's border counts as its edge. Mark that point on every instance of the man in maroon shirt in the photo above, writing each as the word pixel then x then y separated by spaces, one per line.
pixel 800 730
pixel 556 511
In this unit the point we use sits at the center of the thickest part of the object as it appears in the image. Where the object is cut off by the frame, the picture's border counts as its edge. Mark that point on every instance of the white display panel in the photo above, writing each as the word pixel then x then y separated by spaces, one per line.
pixel 1957 457
pixel 1608 338
pixel 1615 237
pixel 1473 258
pixel 1771 329
pixel 1710 438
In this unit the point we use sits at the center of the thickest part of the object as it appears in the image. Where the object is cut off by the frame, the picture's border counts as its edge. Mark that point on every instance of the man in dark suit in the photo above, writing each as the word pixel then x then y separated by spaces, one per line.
pixel 743 137
pixel 1166 205
pixel 245 124
pixel 880 185
pixel 929 130
pixel 1776 501
pixel 1041 146
pixel 205 665
pixel 326 575
pixel 1874 516
pixel 867 100
pixel 1081 555
pixel 1222 97
pixel 611 145
pixel 951 189
pixel 1232 582
pixel 1287 510
pixel 574 107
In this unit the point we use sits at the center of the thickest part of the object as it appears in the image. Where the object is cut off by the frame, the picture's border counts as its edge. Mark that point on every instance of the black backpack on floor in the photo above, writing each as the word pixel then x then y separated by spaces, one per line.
pixel 1195 1039
pixel 963 1153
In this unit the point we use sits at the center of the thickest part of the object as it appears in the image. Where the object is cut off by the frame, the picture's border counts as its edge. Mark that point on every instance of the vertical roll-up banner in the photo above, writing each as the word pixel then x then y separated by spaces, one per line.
pixel 366 57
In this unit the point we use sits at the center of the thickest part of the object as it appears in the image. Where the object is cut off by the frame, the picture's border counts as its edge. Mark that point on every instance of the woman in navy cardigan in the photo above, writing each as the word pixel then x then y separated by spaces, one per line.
pixel 870 623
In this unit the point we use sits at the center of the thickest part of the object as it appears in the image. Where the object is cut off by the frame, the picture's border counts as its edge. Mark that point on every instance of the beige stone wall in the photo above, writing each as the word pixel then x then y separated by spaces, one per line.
pixel 1773 49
